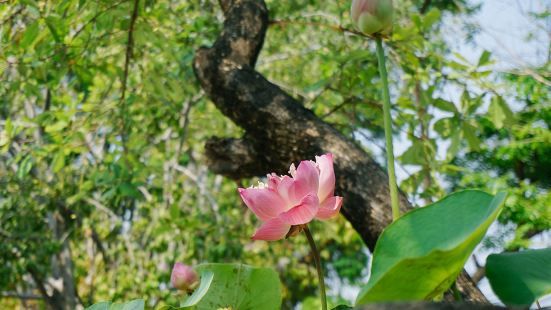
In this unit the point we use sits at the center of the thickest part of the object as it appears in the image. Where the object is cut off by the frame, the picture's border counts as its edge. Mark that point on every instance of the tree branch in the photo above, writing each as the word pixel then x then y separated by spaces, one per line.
pixel 22 296
pixel 129 47
pixel 40 285
pixel 127 59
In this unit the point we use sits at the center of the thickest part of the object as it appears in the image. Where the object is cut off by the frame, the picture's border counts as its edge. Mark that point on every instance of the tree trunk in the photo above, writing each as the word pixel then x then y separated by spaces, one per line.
pixel 63 282
pixel 279 130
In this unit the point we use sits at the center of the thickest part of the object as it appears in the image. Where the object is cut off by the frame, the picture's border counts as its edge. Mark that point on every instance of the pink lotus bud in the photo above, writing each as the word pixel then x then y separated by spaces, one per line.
pixel 372 16
pixel 183 277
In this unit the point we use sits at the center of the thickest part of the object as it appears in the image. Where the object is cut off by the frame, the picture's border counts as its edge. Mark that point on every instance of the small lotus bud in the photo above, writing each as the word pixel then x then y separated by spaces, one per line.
pixel 183 277
pixel 372 16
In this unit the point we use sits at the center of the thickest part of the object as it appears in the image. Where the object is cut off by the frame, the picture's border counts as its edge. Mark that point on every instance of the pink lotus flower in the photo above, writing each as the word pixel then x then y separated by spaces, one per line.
pixel 287 201
pixel 372 16
pixel 183 277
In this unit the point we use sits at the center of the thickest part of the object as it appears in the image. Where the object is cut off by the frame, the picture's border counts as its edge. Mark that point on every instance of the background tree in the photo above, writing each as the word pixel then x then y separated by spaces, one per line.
pixel 103 174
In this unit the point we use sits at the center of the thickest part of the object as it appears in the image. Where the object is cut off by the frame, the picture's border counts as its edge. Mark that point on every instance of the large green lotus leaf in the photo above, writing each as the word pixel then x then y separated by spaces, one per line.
pixel 200 292
pixel 137 304
pixel 419 256
pixel 240 287
pixel 520 278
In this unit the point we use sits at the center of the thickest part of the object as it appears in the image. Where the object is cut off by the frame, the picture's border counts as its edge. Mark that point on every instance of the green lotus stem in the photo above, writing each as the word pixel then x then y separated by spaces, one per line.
pixel 388 132
pixel 456 293
pixel 319 269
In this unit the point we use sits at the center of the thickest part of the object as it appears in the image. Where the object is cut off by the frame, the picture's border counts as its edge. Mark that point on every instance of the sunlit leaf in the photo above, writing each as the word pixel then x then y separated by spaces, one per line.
pixel 30 35
pixel 240 287
pixel 428 247
pixel 469 132
pixel 484 58
pixel 201 291
pixel 137 304
pixel 444 105
pixel 499 112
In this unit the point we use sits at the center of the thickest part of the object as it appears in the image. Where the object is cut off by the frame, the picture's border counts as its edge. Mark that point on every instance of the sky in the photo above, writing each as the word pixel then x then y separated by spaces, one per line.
pixel 505 24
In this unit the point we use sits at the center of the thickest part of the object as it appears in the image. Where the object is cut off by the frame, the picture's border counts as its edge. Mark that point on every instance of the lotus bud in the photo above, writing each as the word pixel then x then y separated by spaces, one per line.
pixel 372 16
pixel 183 277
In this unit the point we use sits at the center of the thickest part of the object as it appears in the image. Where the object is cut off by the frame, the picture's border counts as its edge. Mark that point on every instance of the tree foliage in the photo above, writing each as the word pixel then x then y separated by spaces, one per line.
pixel 103 183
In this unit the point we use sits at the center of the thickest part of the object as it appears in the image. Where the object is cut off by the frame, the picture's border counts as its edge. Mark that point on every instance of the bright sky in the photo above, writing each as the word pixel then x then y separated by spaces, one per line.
pixel 506 23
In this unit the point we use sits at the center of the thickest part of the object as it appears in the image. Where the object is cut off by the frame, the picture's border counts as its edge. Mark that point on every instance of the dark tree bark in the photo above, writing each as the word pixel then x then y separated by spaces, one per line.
pixel 279 130
pixel 433 306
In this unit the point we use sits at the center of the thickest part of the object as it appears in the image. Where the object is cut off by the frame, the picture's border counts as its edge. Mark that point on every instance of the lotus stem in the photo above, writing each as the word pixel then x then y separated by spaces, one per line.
pixel 388 131
pixel 319 269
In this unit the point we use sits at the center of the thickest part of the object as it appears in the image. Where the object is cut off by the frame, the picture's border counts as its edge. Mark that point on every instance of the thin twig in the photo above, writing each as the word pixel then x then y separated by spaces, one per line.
pixel 184 121
pixel 339 28
pixel 21 295
pixel 95 17
pixel 127 59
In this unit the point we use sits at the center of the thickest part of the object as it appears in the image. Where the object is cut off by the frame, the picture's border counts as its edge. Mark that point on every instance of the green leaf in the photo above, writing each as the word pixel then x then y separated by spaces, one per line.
pixel 58 162
pixel 30 35
pixel 446 126
pixel 30 2
pixel 484 59
pixel 419 256
pixel 137 304
pixel 469 131
pixel 414 155
pixel 520 278
pixel 9 127
pixel 499 112
pixel 129 190
pixel 25 167
pixel 445 105
pixel 431 18
pixel 55 127
pixel 240 287
pixel 104 305
pixel 52 22
pixel 4 138
pixel 201 291
pixel 342 307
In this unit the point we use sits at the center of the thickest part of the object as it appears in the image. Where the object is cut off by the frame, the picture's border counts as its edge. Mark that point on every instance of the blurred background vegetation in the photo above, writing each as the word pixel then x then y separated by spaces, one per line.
pixel 103 185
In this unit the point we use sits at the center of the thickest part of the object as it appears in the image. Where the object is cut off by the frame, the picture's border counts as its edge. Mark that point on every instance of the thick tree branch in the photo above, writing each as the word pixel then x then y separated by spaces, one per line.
pixel 279 130
pixel 433 306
